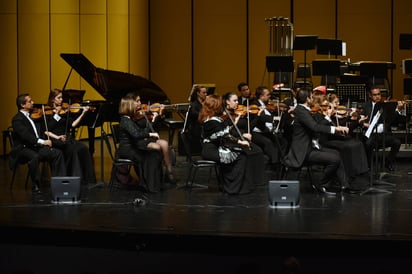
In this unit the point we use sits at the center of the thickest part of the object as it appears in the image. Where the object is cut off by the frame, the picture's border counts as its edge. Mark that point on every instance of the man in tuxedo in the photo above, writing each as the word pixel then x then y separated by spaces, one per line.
pixel 31 146
pixel 244 93
pixel 305 149
pixel 379 136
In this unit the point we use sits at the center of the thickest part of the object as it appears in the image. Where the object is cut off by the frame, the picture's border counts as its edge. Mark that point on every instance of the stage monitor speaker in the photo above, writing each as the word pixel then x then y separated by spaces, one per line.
pixel 65 189
pixel 284 194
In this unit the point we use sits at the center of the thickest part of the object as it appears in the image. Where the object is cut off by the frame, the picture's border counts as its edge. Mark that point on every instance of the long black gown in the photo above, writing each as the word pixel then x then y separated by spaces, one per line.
pixel 77 157
pixel 240 176
pixel 133 145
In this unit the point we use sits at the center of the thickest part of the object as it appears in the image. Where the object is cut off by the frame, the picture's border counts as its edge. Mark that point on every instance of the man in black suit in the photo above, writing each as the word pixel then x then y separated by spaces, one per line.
pixel 244 93
pixel 304 148
pixel 30 145
pixel 378 135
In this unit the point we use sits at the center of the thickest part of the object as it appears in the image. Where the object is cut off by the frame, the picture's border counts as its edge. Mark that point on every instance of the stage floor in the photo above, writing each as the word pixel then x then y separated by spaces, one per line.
pixel 181 231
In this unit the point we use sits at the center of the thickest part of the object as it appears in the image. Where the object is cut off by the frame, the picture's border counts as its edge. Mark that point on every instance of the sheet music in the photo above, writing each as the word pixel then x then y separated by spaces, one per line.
pixel 372 124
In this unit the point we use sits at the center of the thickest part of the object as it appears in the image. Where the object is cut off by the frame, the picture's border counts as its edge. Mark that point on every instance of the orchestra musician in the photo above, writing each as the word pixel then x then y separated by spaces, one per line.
pixel 60 121
pixel 31 145
pixel 244 93
pixel 351 149
pixel 305 150
pixel 197 98
pixel 370 109
pixel 218 144
pixel 239 122
pixel 263 129
pixel 139 143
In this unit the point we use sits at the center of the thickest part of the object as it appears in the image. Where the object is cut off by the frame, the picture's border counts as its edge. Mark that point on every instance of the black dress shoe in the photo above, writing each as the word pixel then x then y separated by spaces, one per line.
pixel 324 190
pixel 390 167
pixel 349 190
pixel 35 188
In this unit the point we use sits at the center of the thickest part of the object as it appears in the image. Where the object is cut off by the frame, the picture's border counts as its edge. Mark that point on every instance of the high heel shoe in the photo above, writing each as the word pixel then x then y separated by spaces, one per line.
pixel 170 178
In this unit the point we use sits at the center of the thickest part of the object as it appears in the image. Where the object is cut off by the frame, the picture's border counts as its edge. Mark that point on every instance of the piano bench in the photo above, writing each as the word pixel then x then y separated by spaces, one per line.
pixel 172 125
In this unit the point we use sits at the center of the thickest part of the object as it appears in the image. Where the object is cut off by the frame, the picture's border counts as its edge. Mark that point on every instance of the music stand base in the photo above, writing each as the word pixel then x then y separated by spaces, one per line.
pixel 375 190
pixel 190 186
pixel 97 185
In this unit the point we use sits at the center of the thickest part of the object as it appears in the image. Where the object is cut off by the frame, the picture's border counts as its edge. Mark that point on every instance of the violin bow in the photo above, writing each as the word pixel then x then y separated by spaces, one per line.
pixel 235 126
pixel 45 122
pixel 248 115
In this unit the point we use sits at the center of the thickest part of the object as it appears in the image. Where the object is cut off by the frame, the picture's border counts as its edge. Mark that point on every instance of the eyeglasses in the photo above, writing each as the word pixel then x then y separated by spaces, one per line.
pixel 376 94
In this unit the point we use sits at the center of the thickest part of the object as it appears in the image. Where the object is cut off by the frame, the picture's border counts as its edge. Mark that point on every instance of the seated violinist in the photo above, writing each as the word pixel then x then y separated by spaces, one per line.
pixel 237 168
pixel 60 121
pixel 31 145
pixel 351 150
pixel 139 141
pixel 239 122
pixel 381 136
pixel 265 125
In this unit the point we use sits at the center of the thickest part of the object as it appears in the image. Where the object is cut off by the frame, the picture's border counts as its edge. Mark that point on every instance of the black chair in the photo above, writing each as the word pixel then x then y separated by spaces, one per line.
pixel 116 161
pixel 15 166
pixel 196 163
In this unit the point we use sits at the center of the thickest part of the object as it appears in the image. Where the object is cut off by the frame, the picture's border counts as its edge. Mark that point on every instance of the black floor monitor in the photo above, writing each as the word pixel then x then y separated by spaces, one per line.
pixel 284 194
pixel 65 190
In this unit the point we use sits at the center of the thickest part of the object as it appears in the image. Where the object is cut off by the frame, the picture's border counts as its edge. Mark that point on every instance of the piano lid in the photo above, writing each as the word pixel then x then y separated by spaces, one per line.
pixel 113 85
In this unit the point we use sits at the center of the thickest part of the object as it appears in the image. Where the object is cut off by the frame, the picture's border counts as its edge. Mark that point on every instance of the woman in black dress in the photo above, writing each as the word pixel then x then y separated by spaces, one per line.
pixel 61 120
pixel 139 143
pixel 218 144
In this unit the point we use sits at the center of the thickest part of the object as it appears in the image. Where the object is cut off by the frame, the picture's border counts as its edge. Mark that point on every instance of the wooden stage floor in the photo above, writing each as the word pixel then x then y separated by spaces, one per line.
pixel 204 231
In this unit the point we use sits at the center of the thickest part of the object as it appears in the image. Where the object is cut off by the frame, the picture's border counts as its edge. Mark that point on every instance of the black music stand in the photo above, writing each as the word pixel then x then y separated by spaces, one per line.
pixel 304 42
pixel 329 47
pixel 374 71
pixel 327 67
pixel 405 41
pixel 279 64
pixel 387 112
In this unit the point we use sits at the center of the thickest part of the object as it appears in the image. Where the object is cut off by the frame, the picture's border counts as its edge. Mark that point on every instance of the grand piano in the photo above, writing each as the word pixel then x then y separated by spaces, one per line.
pixel 112 85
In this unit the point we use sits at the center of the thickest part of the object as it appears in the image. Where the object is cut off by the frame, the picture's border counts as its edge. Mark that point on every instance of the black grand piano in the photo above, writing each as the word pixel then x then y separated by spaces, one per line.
pixel 112 85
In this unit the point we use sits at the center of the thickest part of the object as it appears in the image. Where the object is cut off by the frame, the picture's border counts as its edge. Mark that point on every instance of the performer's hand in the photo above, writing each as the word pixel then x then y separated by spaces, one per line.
pixel 154 134
pixel 244 143
pixel 342 130
pixel 48 143
pixel 247 136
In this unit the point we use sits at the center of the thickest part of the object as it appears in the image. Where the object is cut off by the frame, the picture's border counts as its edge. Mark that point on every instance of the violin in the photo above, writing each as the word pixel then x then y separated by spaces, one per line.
pixel 37 113
pixel 74 108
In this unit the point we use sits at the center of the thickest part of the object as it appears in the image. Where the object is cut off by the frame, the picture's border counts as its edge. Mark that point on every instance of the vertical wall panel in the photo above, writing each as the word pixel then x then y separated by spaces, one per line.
pixel 139 37
pixel 93 37
pixel 118 35
pixel 366 29
pixel 8 56
pixel 259 46
pixel 170 28
pixel 64 38
pixel 34 50
pixel 316 17
pixel 219 43
pixel 402 24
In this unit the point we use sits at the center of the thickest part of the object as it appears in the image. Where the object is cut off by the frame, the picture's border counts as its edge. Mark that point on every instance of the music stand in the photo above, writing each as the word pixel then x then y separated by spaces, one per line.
pixel 326 67
pixel 387 112
pixel 329 47
pixel 304 42
pixel 374 70
pixel 405 41
pixel 279 64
